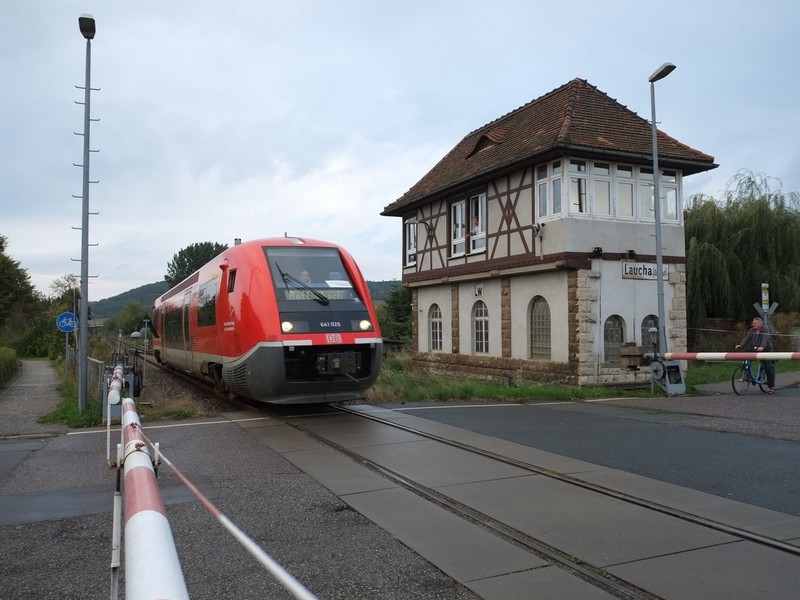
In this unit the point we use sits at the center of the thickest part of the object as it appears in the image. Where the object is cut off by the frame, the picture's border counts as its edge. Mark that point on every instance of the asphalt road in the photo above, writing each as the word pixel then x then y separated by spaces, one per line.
pixel 721 444
pixel 56 499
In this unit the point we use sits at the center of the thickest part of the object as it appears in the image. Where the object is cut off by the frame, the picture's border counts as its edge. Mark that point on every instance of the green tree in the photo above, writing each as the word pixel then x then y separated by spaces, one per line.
pixel 132 317
pixel 191 258
pixel 20 303
pixel 66 291
pixel 394 315
pixel 733 245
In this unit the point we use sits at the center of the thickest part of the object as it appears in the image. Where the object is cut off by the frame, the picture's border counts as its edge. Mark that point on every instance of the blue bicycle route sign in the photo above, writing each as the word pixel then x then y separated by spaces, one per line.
pixel 66 322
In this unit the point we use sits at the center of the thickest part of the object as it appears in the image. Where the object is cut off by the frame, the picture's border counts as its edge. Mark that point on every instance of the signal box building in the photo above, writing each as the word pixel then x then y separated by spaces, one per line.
pixel 529 249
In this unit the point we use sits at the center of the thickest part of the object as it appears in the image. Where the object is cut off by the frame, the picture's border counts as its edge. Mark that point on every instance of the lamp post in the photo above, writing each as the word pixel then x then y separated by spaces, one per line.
pixel 87 27
pixel 660 73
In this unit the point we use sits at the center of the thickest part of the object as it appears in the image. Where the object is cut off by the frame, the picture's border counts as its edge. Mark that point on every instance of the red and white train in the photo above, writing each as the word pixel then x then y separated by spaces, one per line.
pixel 281 320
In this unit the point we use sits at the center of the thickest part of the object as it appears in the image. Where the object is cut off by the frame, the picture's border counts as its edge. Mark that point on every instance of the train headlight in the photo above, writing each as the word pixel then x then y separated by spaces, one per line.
pixel 364 325
pixel 287 326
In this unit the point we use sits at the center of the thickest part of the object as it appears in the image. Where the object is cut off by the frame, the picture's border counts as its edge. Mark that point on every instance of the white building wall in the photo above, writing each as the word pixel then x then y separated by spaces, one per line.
pixel 631 299
pixel 553 288
pixel 467 297
pixel 427 297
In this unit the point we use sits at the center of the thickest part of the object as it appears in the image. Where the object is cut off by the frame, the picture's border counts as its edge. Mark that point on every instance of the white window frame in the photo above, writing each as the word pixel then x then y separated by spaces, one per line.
pixel 480 328
pixel 621 180
pixel 542 192
pixel 602 179
pixel 458 228
pixel 549 200
pixel 669 189
pixel 670 211
pixel 477 233
pixel 557 199
pixel 624 179
pixel 435 329
pixel 411 243
pixel 579 187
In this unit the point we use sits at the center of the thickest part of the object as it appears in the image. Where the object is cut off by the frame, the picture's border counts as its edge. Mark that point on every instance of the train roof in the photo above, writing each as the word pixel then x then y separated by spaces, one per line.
pixel 287 241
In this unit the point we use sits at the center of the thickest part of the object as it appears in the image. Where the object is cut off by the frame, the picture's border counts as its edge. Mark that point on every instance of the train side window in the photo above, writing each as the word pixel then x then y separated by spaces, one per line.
pixel 231 280
pixel 207 304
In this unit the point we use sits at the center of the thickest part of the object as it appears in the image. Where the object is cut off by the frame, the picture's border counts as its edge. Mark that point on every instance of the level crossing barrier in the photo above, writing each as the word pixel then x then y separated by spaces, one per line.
pixel 732 356
pixel 152 568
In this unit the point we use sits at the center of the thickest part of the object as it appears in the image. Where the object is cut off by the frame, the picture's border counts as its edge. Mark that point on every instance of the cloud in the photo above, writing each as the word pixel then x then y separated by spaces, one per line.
pixel 308 117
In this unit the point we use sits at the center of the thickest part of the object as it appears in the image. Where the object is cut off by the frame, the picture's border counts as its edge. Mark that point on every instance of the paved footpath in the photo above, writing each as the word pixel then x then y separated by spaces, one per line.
pixel 34 394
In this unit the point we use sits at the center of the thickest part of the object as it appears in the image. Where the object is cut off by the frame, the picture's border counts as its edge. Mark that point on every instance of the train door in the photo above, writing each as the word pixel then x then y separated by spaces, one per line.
pixel 187 334
pixel 161 328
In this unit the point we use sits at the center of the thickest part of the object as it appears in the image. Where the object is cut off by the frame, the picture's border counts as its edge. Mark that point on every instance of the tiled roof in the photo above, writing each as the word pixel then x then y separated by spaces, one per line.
pixel 575 119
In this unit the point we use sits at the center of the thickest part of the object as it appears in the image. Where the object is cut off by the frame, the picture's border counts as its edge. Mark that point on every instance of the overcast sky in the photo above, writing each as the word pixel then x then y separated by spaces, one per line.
pixel 262 117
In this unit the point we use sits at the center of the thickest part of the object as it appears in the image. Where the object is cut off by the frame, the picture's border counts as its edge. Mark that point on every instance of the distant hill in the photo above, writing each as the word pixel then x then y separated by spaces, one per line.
pixel 146 294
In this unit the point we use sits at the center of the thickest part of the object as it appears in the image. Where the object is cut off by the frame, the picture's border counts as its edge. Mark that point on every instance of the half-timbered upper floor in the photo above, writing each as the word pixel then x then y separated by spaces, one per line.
pixel 547 186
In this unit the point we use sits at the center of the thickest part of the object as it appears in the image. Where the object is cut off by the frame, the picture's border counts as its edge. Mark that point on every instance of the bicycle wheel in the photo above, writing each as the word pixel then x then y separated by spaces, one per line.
pixel 740 380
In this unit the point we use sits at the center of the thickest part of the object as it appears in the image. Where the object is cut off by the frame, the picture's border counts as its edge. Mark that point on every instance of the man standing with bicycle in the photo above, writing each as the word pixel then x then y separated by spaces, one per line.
pixel 760 340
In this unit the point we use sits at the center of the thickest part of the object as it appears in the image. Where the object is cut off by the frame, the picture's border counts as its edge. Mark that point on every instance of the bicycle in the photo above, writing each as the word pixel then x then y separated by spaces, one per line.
pixel 743 377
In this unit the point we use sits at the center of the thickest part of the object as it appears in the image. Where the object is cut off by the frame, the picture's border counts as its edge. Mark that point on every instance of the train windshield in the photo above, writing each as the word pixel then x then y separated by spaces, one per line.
pixel 314 292
pixel 310 276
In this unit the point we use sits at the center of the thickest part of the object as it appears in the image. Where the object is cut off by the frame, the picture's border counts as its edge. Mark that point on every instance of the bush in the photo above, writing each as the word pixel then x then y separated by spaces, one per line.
pixel 8 364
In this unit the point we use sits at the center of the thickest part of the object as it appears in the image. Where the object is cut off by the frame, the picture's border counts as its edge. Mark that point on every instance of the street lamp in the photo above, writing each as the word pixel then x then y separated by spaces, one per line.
pixel 87 27
pixel 660 73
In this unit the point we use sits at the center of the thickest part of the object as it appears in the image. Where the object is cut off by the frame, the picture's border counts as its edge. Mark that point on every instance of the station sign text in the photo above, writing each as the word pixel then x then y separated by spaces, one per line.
pixel 641 270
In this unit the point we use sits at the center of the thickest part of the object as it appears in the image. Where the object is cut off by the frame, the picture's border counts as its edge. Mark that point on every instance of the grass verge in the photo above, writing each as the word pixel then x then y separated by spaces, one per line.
pixel 67 410
pixel 400 382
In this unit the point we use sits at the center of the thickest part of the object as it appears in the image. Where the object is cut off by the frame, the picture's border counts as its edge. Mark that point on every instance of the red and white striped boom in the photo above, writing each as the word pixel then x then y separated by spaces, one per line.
pixel 732 356
pixel 152 569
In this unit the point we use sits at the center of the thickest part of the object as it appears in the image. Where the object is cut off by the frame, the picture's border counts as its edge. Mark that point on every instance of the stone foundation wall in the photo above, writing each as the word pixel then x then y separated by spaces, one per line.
pixel 515 371
pixel 510 371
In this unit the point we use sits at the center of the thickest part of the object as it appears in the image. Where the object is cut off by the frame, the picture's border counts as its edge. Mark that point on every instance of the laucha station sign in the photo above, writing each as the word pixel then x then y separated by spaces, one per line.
pixel 643 270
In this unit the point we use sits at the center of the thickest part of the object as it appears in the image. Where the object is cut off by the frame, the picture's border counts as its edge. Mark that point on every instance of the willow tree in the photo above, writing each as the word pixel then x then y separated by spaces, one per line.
pixel 733 245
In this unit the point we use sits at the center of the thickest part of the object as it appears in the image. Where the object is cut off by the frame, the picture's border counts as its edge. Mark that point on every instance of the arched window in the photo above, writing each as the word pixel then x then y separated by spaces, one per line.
pixel 480 328
pixel 435 328
pixel 539 329
pixel 613 335
pixel 648 322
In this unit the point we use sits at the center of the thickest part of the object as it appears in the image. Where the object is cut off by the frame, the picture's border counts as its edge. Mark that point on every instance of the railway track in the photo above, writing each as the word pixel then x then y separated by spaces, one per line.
pixel 606 491
pixel 566 561
pixel 575 566
pixel 563 560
